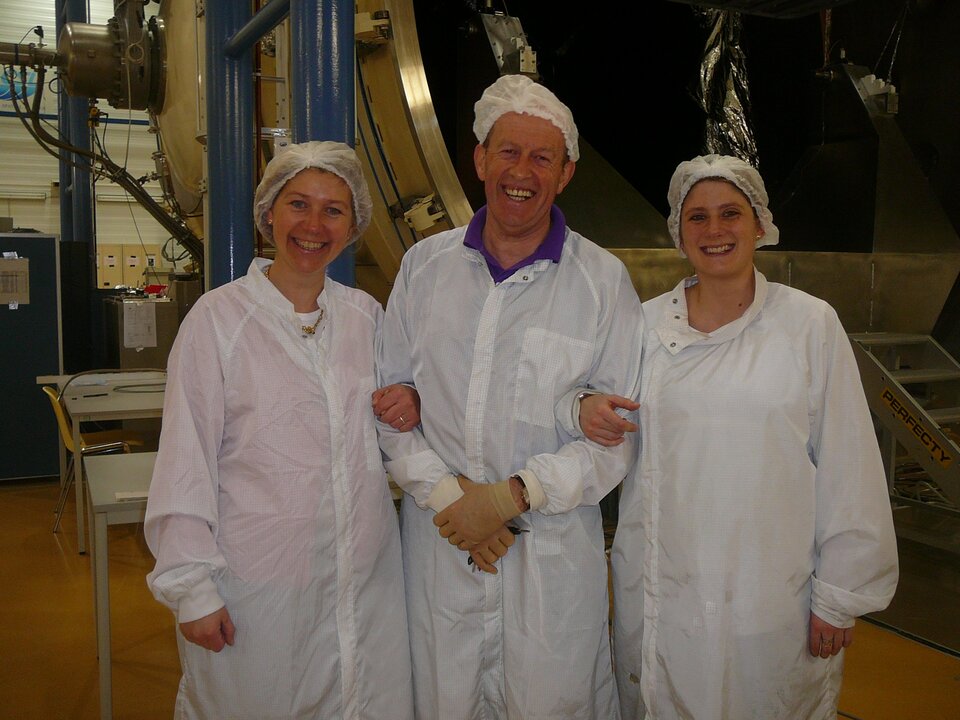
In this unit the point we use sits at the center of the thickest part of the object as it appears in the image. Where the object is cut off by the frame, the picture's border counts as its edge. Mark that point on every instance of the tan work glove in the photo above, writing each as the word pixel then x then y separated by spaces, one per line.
pixel 483 555
pixel 482 510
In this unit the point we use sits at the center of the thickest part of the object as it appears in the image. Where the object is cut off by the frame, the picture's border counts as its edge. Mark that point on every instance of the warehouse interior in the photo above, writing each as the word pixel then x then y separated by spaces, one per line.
pixel 848 108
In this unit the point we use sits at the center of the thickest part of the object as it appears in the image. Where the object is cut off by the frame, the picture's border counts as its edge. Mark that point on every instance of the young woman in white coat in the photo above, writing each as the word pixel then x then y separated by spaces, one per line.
pixel 276 538
pixel 756 526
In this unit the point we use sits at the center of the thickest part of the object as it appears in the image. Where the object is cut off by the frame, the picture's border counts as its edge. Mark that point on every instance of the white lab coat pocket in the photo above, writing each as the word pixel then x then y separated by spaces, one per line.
pixel 572 573
pixel 550 364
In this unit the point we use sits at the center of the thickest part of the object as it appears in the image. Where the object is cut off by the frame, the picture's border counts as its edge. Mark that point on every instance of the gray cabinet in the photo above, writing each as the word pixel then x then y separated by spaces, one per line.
pixel 140 332
pixel 29 346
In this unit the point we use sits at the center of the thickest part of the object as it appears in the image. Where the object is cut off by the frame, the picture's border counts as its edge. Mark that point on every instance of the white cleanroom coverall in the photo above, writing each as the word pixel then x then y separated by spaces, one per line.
pixel 269 496
pixel 759 497
pixel 490 362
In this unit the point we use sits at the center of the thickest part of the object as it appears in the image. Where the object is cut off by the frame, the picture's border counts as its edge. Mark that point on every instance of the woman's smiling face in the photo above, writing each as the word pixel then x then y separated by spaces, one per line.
pixel 718 229
pixel 312 220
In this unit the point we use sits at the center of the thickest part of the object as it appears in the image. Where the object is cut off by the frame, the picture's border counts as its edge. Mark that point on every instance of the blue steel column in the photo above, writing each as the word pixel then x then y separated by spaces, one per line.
pixel 322 85
pixel 230 146
pixel 76 196
pixel 81 308
pixel 63 122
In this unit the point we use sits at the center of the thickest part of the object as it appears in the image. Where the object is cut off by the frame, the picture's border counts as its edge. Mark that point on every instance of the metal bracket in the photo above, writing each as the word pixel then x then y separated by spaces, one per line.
pixel 423 214
pixel 372 28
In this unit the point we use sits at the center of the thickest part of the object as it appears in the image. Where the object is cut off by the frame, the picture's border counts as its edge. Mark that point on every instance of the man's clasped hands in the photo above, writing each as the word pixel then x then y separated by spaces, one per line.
pixel 479 522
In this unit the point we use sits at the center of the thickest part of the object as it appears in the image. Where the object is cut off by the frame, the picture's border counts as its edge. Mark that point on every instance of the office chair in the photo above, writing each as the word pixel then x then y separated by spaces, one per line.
pixel 94 443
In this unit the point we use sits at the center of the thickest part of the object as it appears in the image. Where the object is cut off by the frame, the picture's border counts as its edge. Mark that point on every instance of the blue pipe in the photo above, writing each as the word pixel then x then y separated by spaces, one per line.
pixel 322 85
pixel 266 19
pixel 230 146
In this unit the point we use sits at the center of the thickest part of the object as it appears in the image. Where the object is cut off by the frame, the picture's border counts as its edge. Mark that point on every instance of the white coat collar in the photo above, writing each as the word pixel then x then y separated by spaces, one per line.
pixel 268 296
pixel 674 329
pixel 526 274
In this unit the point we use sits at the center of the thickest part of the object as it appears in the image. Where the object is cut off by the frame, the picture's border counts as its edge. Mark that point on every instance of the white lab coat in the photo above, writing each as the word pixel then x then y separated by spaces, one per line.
pixel 269 496
pixel 490 362
pixel 759 496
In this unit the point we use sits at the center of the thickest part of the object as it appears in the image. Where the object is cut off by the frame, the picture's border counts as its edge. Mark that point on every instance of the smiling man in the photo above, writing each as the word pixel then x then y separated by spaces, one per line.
pixel 495 323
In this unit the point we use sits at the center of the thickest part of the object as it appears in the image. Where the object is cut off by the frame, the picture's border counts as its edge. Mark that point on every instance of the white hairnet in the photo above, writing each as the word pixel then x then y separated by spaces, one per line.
pixel 520 94
pixel 334 157
pixel 724 167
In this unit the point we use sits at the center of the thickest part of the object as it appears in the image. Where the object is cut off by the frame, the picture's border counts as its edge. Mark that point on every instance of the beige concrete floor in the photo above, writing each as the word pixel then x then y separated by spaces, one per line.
pixel 48 636
pixel 48 643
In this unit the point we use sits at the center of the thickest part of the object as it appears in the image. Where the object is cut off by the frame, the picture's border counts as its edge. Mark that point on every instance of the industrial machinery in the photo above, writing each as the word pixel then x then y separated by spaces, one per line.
pixel 123 62
pixel 152 64
pixel 858 169
pixel 913 388
pixel 769 8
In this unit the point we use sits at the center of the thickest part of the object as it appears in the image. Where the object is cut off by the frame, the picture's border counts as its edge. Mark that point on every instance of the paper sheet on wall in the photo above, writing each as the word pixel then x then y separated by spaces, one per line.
pixel 14 280
pixel 139 324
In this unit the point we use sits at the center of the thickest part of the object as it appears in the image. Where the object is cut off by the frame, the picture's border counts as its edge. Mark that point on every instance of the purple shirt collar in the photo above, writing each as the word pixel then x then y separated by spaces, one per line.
pixel 550 249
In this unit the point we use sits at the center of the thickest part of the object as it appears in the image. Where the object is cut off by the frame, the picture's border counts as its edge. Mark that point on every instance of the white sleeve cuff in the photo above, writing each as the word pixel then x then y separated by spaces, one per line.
pixel 575 420
pixel 446 492
pixel 202 600
pixel 567 410
pixel 837 606
pixel 538 498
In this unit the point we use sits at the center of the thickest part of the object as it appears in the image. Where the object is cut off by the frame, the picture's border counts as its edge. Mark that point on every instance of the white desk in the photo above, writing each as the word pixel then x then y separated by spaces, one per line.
pixel 115 399
pixel 107 475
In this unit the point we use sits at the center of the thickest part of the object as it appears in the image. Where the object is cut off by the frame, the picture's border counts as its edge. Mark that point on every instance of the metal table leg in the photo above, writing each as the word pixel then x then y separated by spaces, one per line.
pixel 101 580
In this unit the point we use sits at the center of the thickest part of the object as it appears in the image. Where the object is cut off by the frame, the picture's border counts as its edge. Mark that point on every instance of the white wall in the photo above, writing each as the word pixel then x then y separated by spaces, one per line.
pixel 26 169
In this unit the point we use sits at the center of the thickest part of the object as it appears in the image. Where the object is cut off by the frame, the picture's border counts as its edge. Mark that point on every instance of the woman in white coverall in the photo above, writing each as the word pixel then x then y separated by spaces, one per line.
pixel 757 524
pixel 270 516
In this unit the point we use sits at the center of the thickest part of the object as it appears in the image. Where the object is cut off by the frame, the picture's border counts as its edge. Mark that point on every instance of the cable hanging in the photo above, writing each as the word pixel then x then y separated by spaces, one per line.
pixel 897 30
pixel 97 163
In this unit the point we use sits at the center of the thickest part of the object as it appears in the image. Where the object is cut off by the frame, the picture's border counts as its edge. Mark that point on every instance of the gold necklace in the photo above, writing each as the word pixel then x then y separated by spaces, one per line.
pixel 305 329
pixel 311 329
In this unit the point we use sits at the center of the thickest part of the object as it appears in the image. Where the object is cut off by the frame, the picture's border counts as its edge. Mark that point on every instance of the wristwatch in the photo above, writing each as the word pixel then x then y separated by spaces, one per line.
pixel 524 493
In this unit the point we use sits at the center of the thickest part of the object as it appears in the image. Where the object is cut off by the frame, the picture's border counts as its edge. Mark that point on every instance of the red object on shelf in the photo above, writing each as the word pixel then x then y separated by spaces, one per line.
pixel 160 290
